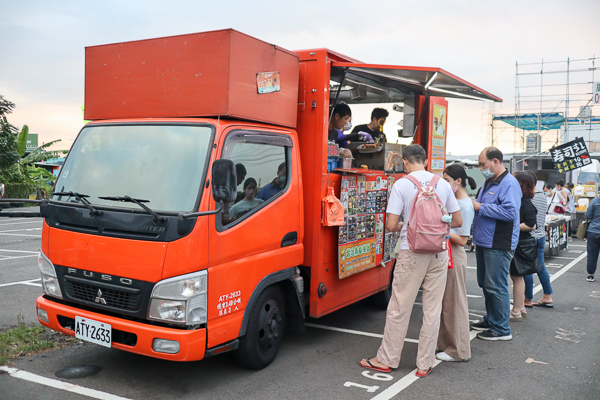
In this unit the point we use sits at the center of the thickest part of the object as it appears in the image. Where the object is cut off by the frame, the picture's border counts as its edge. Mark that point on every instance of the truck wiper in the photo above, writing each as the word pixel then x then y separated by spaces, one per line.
pixel 127 199
pixel 82 199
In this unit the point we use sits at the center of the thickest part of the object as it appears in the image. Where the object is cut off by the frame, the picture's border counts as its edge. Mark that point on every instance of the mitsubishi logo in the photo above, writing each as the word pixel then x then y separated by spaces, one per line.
pixel 99 298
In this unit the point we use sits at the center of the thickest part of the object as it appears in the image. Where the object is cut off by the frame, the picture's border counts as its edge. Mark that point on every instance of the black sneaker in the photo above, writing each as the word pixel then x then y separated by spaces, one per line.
pixel 479 326
pixel 590 278
pixel 489 335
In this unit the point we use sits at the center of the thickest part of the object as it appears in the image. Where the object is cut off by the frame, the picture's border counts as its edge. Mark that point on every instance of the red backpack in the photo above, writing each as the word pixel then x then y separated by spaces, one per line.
pixel 426 231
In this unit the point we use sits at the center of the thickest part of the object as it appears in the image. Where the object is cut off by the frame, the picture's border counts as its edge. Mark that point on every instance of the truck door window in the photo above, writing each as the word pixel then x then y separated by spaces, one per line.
pixel 262 164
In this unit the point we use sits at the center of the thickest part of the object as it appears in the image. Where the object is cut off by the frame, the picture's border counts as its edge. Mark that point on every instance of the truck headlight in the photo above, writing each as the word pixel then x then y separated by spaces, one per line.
pixel 49 280
pixel 180 300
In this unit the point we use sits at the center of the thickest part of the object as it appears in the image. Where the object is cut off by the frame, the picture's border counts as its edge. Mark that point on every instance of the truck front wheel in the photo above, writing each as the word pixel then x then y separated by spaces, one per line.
pixel 259 346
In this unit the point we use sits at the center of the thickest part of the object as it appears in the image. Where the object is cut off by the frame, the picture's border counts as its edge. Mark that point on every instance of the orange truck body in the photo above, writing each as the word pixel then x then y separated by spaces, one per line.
pixel 211 78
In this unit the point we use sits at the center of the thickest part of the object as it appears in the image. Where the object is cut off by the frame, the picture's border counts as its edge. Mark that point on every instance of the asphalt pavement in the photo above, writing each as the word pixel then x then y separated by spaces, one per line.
pixel 554 353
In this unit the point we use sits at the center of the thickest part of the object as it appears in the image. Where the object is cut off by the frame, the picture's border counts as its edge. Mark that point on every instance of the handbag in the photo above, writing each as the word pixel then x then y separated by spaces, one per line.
pixel 559 209
pixel 582 229
pixel 525 262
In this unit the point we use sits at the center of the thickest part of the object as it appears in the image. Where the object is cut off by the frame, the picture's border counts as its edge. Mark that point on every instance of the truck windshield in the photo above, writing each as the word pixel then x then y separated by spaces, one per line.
pixel 163 164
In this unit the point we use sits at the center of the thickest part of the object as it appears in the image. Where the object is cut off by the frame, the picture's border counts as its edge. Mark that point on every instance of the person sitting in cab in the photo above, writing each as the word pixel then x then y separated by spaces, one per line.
pixel 276 184
pixel 341 117
pixel 241 175
pixel 248 203
pixel 375 127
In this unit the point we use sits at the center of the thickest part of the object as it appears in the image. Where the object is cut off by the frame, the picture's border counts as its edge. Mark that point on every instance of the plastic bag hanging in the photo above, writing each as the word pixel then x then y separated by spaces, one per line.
pixel 450 260
pixel 333 211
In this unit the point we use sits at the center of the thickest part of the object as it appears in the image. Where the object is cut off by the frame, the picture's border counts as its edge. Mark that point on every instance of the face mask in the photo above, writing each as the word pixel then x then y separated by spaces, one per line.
pixel 282 179
pixel 454 189
pixel 487 173
pixel 348 127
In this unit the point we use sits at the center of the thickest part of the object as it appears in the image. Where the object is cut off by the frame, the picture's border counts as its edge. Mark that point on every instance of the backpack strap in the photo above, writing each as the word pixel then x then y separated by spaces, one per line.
pixel 434 180
pixel 550 205
pixel 419 185
pixel 415 181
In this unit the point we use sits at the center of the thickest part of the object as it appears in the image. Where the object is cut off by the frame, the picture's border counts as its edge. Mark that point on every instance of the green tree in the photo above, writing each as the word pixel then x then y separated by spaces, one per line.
pixel 15 167
pixel 8 136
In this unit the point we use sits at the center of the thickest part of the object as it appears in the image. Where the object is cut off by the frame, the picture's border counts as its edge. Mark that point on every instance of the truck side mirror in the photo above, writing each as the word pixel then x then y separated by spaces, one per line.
pixel 224 181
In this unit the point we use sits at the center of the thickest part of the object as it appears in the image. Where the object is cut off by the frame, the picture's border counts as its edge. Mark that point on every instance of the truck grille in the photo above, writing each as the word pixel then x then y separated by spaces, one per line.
pixel 113 298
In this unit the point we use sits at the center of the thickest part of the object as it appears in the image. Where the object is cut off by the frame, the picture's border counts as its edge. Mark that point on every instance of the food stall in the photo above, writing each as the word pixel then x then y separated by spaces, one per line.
pixel 582 197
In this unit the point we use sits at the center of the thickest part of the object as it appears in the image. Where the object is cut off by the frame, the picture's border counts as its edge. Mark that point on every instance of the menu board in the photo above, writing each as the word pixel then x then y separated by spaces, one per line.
pixel 570 156
pixel 361 239
pixel 438 124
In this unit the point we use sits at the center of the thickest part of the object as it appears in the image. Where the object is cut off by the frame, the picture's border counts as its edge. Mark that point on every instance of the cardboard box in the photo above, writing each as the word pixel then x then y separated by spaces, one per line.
pixel 220 73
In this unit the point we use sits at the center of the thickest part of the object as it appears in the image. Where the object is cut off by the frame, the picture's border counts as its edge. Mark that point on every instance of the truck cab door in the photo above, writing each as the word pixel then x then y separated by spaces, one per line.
pixel 255 236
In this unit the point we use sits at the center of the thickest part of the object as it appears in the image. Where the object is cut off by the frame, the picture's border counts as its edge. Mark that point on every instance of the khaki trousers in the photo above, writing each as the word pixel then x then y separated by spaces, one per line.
pixel 412 271
pixel 454 337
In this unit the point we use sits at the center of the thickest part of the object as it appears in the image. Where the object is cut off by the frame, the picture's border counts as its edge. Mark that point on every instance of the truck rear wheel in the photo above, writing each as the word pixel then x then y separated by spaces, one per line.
pixel 259 346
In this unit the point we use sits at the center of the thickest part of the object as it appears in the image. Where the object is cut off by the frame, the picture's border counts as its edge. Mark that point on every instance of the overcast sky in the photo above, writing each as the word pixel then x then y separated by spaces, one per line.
pixel 42 45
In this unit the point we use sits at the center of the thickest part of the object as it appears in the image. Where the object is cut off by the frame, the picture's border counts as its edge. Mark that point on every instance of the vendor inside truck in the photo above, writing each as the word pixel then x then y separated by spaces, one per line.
pixel 341 117
pixel 375 127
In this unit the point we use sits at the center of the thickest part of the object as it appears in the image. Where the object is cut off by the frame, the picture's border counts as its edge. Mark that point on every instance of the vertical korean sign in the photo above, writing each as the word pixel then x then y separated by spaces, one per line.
pixel 570 156
pixel 438 129
pixel 362 238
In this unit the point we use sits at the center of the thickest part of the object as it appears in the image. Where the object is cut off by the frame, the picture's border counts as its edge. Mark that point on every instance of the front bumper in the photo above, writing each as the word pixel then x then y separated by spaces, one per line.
pixel 134 337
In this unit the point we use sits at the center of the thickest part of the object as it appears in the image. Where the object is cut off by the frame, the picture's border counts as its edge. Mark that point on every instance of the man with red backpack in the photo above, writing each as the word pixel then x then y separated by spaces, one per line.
pixel 430 210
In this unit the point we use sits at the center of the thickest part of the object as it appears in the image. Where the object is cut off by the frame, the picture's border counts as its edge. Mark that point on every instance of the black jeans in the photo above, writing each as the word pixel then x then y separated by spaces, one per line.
pixel 593 248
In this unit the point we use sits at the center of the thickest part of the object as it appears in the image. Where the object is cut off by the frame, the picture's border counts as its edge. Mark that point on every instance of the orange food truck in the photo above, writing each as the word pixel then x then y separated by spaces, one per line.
pixel 146 246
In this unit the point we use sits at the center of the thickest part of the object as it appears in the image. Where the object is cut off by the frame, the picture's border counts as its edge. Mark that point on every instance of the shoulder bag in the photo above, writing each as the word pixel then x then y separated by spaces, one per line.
pixel 558 208
pixel 525 261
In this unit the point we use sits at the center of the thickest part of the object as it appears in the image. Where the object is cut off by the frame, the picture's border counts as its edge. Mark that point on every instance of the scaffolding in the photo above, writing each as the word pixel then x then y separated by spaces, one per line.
pixel 545 92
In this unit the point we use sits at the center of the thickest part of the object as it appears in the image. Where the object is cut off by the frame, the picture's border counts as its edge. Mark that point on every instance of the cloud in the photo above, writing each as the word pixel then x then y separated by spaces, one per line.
pixel 43 61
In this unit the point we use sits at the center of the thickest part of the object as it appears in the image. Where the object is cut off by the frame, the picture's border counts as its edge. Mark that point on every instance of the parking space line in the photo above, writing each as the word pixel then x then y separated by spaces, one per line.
pixel 332 328
pixel 409 379
pixel 578 245
pixel 12 258
pixel 18 219
pixel 562 258
pixel 16 234
pixel 20 251
pixel 557 274
pixel 475 296
pixel 20 223
pixel 24 229
pixel 471 267
pixel 32 284
pixel 69 387
pixel 27 282
pixel 402 384
pixel 470 311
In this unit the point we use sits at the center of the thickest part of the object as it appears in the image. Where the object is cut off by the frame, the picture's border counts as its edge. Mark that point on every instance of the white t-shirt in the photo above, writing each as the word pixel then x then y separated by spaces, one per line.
pixel 404 191
pixel 468 213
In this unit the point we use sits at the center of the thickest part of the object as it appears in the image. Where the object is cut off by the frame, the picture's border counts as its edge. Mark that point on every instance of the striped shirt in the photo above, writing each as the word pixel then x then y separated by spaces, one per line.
pixel 541 204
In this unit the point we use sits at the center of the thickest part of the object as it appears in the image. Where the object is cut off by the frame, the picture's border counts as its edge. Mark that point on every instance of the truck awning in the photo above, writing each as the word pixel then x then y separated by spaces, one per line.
pixel 365 82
